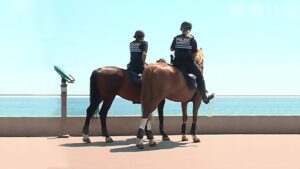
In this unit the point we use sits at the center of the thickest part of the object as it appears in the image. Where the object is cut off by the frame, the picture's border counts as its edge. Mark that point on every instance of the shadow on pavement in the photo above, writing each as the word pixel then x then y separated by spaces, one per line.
pixel 160 146
pixel 101 144
pixel 128 145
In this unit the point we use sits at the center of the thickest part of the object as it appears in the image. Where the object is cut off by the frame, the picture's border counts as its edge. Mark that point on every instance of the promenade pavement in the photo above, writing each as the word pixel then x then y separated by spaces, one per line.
pixel 213 152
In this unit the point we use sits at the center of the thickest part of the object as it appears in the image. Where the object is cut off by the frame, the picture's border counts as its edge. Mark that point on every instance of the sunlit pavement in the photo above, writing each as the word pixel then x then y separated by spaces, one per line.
pixel 213 152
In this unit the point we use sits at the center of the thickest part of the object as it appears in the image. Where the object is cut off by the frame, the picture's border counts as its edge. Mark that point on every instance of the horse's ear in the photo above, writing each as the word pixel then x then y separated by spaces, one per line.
pixel 161 60
pixel 200 52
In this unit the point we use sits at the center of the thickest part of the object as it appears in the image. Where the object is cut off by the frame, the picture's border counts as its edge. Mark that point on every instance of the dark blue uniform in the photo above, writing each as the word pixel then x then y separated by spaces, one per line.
pixel 136 50
pixel 185 47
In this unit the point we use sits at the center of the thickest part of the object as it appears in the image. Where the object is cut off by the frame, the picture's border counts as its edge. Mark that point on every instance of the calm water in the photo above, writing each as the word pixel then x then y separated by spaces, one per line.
pixel 50 106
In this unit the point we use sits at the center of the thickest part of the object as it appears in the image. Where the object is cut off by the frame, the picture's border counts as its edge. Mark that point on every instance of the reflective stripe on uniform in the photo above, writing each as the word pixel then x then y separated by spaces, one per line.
pixel 183 46
pixel 135 50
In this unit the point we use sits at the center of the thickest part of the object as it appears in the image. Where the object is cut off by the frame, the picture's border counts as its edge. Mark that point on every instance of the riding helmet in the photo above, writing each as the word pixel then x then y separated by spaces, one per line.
pixel 139 34
pixel 186 26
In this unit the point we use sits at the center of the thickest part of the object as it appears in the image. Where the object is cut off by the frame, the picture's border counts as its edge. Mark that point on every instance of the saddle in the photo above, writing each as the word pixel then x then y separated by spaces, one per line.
pixel 135 77
pixel 189 77
pixel 190 80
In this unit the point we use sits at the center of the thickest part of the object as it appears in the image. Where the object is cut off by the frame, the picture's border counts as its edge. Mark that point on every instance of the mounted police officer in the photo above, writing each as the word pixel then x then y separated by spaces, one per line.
pixel 185 47
pixel 138 52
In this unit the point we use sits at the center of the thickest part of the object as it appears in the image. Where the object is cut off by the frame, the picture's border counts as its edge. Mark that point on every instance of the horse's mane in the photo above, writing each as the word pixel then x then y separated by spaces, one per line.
pixel 199 57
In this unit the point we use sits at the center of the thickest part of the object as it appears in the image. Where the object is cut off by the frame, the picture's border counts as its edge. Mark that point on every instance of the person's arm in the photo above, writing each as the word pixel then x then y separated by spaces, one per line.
pixel 194 47
pixel 144 52
pixel 172 48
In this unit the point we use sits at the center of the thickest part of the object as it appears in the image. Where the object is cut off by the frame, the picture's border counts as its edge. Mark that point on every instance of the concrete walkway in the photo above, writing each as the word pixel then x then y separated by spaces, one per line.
pixel 213 152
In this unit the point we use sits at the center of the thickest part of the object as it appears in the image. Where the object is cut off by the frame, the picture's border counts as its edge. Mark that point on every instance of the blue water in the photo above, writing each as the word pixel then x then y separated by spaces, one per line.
pixel 51 106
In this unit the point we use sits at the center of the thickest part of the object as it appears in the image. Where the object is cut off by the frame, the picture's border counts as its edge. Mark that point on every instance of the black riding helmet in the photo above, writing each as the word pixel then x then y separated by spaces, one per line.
pixel 139 34
pixel 186 26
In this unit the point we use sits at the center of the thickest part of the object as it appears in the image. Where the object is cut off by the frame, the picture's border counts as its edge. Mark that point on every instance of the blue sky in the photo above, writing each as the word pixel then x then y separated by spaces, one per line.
pixel 250 47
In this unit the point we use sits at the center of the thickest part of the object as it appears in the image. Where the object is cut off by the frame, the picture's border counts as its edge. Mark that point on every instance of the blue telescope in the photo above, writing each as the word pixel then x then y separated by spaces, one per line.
pixel 68 78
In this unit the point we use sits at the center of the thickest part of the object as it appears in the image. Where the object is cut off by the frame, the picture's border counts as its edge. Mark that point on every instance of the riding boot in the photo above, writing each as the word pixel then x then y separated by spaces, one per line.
pixel 202 88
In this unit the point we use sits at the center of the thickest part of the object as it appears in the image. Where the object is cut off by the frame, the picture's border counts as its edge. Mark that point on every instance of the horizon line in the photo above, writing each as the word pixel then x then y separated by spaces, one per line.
pixel 222 95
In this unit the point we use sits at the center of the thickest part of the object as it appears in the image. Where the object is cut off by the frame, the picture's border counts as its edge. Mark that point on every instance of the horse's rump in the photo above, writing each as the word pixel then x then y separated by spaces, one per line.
pixel 113 81
pixel 165 81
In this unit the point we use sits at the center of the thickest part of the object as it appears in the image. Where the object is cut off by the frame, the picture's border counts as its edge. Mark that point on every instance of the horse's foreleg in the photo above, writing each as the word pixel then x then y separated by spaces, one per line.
pixel 103 114
pixel 184 119
pixel 196 105
pixel 160 110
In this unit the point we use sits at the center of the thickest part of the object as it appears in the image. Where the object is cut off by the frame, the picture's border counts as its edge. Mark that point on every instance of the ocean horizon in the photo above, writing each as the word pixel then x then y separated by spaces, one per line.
pixel 223 105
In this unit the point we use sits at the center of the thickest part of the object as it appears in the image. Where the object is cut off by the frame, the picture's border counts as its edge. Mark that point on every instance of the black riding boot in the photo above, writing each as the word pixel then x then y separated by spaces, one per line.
pixel 202 88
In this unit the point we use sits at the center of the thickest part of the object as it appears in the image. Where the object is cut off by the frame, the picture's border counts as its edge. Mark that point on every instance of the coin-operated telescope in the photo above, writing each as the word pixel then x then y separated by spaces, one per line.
pixel 64 79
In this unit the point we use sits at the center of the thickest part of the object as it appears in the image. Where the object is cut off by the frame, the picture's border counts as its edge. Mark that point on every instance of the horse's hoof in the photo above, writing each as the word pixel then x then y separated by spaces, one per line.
pixel 140 145
pixel 165 138
pixel 184 138
pixel 152 143
pixel 196 139
pixel 109 140
pixel 86 140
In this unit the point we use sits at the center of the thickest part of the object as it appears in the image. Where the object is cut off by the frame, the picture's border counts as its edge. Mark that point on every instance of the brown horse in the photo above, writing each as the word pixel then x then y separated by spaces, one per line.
pixel 161 81
pixel 105 84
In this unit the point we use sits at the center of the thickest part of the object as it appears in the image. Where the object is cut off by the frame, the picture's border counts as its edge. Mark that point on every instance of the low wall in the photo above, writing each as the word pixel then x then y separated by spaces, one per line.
pixel 50 126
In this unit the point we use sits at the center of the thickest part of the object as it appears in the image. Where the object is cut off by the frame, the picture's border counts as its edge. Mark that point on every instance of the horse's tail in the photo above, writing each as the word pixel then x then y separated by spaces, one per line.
pixel 95 97
pixel 146 95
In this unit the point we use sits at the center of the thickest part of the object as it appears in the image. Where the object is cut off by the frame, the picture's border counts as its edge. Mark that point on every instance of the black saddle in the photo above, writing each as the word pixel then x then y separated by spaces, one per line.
pixel 190 80
pixel 135 77
pixel 189 77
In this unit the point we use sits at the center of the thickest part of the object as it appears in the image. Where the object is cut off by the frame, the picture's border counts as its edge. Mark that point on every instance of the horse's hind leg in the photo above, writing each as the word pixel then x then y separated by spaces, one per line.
pixel 184 119
pixel 89 114
pixel 103 114
pixel 160 110
pixel 147 110
pixel 140 133
pixel 196 105
pixel 149 133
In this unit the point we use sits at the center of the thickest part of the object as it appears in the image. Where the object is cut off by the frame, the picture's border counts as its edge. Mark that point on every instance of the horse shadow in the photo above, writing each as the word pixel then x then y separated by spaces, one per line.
pixel 163 145
pixel 131 147
pixel 101 144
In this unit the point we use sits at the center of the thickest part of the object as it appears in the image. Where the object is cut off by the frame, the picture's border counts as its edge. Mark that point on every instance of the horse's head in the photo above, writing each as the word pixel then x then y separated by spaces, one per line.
pixel 199 58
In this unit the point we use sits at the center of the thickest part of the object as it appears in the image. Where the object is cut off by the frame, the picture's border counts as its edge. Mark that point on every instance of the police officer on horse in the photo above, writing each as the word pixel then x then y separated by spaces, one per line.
pixel 185 47
pixel 138 52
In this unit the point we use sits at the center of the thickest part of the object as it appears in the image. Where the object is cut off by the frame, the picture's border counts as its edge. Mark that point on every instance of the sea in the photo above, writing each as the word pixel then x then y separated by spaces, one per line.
pixel 50 106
